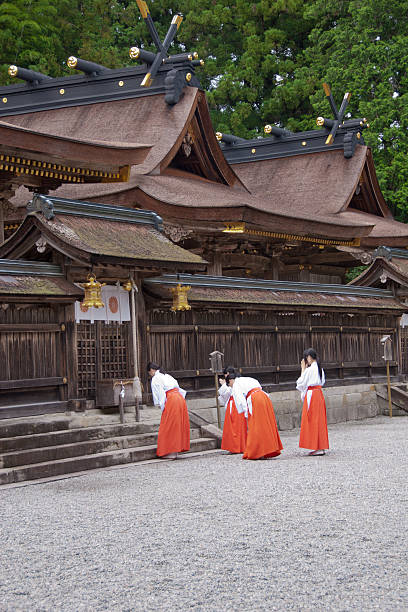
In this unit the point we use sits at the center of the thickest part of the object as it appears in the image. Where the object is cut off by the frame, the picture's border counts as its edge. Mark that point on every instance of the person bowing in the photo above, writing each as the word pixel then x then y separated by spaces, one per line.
pixel 263 439
pixel 174 429
pixel 234 433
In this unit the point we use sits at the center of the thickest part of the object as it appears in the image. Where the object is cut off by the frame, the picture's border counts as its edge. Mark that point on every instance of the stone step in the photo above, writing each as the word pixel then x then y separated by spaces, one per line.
pixel 88 462
pixel 11 428
pixel 28 410
pixel 85 447
pixel 70 436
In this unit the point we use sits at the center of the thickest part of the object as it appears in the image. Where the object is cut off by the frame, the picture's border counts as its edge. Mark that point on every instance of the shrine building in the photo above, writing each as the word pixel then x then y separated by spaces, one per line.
pixel 120 175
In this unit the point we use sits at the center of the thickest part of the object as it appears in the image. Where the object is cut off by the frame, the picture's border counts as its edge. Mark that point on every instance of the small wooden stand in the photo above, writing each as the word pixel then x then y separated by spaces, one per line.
pixel 387 344
pixel 389 389
pixel 216 359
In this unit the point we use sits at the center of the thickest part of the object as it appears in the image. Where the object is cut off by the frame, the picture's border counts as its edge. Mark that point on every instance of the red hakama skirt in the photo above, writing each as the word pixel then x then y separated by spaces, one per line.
pixel 313 428
pixel 263 436
pixel 174 430
pixel 234 434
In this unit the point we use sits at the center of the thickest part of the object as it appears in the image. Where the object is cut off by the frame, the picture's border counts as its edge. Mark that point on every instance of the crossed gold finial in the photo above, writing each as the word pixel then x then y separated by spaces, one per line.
pixel 338 114
pixel 162 47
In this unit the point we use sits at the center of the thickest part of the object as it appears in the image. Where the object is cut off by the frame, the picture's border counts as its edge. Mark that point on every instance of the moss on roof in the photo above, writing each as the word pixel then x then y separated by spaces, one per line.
pixel 37 285
pixel 117 239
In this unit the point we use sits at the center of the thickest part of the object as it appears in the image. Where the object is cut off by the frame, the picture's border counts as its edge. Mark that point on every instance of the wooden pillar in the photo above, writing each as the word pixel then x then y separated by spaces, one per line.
pixel 304 276
pixel 70 347
pixel 135 356
pixel 1 221
pixel 214 267
pixel 142 337
pixel 272 273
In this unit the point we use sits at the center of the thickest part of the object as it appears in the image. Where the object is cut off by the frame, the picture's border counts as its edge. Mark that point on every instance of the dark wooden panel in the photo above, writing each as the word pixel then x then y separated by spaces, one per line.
pixel 169 329
pixel 29 327
pixel 174 351
pixel 31 382
pixel 327 345
pixel 215 341
pixel 291 346
pixel 256 349
pixel 11 412
pixel 354 346
pixel 28 355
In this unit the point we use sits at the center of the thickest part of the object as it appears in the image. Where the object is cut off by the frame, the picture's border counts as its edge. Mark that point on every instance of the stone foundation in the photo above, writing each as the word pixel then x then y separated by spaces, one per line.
pixel 347 403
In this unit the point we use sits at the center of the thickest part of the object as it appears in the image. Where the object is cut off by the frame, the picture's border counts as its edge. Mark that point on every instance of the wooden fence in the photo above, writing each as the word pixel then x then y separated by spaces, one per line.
pixel 269 345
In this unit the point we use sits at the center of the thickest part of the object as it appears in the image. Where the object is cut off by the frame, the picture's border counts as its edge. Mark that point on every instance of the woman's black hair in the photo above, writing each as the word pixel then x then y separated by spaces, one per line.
pixel 231 376
pixel 313 355
pixel 155 366
pixel 231 370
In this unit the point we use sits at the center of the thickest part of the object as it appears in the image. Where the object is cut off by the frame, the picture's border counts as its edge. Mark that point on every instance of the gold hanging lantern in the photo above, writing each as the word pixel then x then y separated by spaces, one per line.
pixel 127 286
pixel 180 301
pixel 93 293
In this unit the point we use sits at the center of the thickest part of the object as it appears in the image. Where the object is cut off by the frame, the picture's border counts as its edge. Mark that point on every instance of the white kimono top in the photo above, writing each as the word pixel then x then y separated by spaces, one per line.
pixel 242 386
pixel 224 393
pixel 162 383
pixel 309 378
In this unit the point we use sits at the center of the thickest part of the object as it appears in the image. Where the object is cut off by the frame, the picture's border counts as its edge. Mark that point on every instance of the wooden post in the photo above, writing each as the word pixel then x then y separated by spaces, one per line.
pixel 216 359
pixel 134 343
pixel 216 400
pixel 1 221
pixel 389 388
pixel 121 398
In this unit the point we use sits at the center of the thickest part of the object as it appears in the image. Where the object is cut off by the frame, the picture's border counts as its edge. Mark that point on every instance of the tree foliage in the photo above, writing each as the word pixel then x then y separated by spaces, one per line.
pixel 265 61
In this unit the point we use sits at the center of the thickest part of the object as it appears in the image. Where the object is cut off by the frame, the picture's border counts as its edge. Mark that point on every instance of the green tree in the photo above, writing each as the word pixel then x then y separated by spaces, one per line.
pixel 250 51
pixel 361 46
pixel 32 36
pixel 264 61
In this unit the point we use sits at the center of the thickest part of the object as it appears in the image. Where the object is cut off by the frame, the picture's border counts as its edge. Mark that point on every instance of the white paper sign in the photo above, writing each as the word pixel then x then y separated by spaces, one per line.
pixel 116 308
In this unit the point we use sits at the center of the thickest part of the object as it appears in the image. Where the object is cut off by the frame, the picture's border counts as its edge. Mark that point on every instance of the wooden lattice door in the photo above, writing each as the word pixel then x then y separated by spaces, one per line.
pixel 86 346
pixel 103 352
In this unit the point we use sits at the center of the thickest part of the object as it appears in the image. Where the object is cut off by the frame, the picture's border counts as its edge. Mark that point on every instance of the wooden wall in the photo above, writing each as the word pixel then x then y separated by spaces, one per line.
pixel 268 344
pixel 36 365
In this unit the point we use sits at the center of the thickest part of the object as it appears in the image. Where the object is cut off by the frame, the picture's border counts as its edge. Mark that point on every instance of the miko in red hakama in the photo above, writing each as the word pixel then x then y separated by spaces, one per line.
pixel 234 434
pixel 174 430
pixel 313 428
pixel 263 437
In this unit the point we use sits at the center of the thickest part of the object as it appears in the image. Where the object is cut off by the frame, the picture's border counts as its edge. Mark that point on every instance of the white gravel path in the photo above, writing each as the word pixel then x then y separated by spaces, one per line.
pixel 218 533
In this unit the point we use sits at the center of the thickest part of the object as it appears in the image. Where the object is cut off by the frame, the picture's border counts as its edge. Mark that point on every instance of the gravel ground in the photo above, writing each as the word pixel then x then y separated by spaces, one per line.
pixel 218 533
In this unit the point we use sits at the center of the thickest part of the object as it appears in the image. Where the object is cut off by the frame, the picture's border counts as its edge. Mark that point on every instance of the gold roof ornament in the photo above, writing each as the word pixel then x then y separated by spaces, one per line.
pixel 93 293
pixel 13 71
pixel 180 301
pixel 134 52
pixel 234 228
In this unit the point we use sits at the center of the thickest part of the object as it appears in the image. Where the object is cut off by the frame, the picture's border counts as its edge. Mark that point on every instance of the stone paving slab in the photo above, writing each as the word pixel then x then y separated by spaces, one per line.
pixel 218 533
